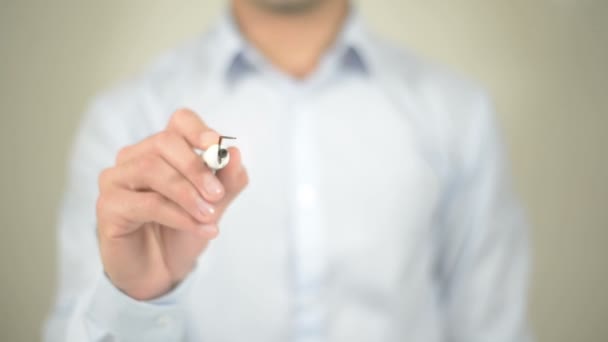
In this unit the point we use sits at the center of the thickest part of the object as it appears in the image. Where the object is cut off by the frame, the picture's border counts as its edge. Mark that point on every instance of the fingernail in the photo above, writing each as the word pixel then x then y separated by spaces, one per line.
pixel 207 230
pixel 212 185
pixel 205 208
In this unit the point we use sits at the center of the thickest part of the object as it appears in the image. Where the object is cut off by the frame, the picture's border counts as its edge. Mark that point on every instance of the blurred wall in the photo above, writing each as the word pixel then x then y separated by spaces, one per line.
pixel 545 61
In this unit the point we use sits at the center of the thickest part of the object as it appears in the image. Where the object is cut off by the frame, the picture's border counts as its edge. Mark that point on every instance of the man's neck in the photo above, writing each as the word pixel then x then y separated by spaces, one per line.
pixel 293 42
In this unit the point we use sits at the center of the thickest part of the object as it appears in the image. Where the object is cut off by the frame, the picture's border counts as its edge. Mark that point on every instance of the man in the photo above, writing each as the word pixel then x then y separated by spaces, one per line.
pixel 375 205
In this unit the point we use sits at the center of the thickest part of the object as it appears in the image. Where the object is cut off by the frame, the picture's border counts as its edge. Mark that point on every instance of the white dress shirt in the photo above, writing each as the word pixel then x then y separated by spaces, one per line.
pixel 379 206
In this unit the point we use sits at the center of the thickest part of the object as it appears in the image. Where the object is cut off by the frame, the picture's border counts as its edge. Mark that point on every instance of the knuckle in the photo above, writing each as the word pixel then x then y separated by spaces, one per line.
pixel 123 154
pixel 105 206
pixel 101 205
pixel 195 164
pixel 111 219
pixel 162 139
pixel 180 115
pixel 147 163
pixel 107 232
pixel 186 194
pixel 104 178
pixel 110 231
pixel 151 202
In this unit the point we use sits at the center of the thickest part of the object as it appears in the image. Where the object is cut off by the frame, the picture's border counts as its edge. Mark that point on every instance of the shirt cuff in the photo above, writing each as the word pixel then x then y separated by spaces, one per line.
pixel 118 315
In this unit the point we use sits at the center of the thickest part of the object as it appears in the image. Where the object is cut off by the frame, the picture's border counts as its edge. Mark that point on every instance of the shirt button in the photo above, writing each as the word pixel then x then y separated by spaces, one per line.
pixel 164 321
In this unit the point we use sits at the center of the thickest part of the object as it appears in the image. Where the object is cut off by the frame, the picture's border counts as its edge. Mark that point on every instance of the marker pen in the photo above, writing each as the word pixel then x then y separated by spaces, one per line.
pixel 216 157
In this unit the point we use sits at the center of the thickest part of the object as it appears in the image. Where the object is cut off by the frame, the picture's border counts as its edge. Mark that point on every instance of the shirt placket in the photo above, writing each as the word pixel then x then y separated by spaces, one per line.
pixel 307 238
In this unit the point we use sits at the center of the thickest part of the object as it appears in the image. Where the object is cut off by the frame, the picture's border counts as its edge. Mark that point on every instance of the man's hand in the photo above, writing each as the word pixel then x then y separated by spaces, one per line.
pixel 159 206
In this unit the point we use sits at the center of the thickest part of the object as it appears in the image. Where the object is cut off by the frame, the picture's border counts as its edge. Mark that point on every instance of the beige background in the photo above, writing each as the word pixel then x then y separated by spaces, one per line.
pixel 544 61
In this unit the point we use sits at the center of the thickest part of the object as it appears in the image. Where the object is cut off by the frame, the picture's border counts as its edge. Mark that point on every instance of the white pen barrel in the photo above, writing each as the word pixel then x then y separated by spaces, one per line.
pixel 210 157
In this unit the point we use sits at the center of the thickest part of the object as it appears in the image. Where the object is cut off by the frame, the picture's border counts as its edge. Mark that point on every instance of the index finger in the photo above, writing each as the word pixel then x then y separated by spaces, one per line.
pixel 189 125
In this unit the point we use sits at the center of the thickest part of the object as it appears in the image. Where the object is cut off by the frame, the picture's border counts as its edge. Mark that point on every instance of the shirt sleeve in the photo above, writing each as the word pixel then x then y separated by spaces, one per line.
pixel 111 313
pixel 484 257
pixel 88 308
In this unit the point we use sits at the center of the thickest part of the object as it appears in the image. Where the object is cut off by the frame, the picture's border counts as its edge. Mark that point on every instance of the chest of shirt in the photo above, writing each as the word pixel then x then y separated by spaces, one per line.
pixel 372 197
pixel 357 151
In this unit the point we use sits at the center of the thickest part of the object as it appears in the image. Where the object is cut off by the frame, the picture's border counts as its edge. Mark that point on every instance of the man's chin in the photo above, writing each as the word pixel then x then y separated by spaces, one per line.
pixel 289 6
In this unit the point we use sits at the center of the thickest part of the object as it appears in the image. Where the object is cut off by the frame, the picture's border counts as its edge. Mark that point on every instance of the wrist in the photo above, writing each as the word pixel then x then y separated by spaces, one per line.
pixel 142 288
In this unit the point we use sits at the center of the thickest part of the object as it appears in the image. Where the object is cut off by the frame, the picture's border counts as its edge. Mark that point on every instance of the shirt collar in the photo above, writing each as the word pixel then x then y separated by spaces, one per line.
pixel 353 43
pixel 237 58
